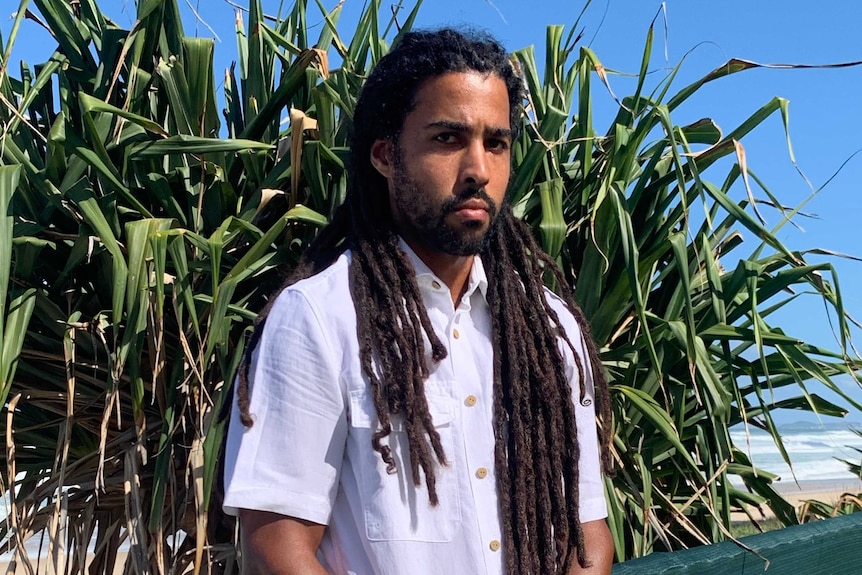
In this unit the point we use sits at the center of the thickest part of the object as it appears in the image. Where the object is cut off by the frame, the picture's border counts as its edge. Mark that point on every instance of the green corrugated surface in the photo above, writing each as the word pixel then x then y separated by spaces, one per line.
pixel 830 547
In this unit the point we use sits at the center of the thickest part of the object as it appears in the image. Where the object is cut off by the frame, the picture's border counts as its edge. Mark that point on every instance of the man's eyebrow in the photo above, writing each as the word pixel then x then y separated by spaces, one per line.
pixel 495 132
pixel 501 133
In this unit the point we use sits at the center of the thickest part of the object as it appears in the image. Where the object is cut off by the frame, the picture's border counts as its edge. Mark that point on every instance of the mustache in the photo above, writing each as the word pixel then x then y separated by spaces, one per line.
pixel 454 203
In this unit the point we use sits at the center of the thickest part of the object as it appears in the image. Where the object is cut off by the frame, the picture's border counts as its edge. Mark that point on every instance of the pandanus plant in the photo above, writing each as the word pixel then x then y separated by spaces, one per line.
pixel 145 220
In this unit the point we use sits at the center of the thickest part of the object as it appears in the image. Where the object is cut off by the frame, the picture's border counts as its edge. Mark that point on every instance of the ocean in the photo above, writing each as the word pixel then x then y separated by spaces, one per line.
pixel 815 450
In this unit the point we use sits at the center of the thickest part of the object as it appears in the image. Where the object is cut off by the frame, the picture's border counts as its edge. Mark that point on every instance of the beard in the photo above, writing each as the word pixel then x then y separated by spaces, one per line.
pixel 425 220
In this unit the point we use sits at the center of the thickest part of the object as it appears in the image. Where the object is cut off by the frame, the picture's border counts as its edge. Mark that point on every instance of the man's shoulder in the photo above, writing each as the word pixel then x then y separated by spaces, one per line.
pixel 562 310
pixel 325 294
pixel 333 278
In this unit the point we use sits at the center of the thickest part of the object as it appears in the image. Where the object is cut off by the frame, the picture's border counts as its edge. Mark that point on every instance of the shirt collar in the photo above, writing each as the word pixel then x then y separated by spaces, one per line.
pixel 427 278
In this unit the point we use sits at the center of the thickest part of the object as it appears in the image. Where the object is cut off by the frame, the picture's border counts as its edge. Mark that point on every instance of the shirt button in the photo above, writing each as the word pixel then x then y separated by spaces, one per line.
pixel 481 473
pixel 494 545
pixel 435 284
pixel 456 334
pixel 471 400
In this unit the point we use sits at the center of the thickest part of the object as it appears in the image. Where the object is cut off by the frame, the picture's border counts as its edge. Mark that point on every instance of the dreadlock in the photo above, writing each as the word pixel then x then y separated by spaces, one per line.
pixel 536 441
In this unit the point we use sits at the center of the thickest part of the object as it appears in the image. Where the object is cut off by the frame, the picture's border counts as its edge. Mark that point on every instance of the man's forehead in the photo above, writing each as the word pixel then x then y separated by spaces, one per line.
pixel 456 97
pixel 430 86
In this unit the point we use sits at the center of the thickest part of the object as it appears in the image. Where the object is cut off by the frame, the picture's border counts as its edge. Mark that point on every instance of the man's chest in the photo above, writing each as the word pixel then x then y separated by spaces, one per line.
pixel 460 400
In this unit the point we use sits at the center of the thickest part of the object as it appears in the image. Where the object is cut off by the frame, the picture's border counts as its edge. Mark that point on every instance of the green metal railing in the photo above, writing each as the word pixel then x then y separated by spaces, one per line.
pixel 829 547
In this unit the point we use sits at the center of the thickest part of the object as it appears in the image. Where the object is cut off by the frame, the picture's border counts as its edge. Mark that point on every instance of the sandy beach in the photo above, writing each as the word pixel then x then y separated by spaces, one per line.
pixel 45 569
pixel 826 491
pixel 797 493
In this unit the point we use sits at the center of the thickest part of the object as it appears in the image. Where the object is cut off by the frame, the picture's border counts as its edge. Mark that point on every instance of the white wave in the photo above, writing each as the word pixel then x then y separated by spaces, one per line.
pixel 813 452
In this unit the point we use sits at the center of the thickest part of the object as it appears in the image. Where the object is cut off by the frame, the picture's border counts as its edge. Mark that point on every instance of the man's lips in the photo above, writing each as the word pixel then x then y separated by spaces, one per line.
pixel 472 208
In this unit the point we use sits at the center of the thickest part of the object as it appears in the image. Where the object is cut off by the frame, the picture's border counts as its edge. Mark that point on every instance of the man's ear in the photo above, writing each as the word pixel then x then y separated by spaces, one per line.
pixel 381 157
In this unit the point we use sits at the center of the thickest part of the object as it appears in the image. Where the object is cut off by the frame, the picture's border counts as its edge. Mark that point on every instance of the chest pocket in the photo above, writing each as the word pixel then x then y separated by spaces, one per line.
pixel 394 509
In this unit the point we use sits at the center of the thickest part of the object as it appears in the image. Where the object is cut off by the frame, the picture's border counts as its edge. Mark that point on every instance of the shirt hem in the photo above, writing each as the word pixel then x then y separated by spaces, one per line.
pixel 593 510
pixel 313 508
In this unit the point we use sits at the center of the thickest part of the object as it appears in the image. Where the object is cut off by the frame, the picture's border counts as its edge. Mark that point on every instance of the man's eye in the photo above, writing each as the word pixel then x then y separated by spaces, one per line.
pixel 499 145
pixel 446 138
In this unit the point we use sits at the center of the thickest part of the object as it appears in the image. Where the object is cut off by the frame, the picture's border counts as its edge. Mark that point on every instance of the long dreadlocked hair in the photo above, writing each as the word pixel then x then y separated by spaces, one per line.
pixel 536 441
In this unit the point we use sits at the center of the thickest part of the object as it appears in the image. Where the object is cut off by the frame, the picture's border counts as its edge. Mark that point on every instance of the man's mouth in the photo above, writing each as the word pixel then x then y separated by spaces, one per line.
pixel 472 206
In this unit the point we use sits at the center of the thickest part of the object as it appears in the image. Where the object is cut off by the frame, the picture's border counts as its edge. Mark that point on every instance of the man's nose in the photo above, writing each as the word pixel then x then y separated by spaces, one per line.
pixel 474 164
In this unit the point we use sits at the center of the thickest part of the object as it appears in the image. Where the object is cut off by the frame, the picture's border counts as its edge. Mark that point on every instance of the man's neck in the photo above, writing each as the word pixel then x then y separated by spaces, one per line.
pixel 454 271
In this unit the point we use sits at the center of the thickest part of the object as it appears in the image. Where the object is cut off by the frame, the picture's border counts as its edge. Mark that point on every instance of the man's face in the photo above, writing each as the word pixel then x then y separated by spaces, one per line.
pixel 449 168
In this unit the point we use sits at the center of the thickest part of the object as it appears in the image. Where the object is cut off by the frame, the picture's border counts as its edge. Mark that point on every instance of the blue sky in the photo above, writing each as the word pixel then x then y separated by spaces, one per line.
pixel 825 118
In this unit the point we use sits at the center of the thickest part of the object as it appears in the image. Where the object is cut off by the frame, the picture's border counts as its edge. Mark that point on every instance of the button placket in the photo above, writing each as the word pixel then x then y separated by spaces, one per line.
pixel 464 340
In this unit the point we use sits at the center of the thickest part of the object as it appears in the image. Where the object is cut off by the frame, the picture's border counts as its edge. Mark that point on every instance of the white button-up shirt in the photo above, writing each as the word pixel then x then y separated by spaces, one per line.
pixel 309 453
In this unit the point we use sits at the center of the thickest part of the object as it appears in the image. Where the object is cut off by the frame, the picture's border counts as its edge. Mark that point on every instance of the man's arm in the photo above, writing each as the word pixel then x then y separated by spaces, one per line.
pixel 600 549
pixel 274 544
pixel 287 465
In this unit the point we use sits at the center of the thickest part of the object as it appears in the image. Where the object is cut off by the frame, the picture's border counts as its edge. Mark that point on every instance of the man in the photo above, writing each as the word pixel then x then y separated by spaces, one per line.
pixel 415 401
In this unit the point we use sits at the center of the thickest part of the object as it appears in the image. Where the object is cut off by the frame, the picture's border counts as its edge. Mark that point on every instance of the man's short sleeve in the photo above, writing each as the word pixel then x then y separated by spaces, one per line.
pixel 289 461
pixel 591 488
pixel 592 503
